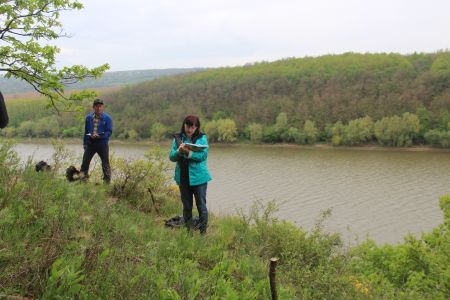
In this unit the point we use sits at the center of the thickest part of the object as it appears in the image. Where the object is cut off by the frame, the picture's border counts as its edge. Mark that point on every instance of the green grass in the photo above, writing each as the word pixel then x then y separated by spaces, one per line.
pixel 90 241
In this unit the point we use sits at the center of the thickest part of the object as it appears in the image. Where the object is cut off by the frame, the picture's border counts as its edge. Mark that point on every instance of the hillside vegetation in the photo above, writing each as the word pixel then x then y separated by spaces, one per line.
pixel 61 240
pixel 348 99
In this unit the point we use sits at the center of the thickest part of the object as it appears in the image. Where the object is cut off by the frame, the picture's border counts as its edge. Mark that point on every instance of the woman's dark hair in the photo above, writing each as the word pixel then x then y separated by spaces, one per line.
pixel 190 121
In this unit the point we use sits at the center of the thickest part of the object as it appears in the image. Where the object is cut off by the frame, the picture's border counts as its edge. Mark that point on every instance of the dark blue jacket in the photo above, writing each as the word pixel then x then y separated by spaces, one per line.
pixel 104 128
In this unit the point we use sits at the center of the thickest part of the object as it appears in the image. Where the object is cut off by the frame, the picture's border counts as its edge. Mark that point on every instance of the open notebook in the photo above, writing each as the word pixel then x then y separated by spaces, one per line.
pixel 196 147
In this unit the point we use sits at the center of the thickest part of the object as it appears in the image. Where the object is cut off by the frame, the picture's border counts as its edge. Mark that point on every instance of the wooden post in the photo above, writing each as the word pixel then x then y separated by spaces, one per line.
pixel 272 274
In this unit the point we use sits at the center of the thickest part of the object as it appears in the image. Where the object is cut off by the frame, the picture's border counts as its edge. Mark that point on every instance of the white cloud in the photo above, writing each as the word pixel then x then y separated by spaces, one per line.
pixel 173 33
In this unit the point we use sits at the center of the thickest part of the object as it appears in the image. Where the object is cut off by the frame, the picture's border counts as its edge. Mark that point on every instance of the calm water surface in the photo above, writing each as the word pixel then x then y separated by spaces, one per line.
pixel 384 194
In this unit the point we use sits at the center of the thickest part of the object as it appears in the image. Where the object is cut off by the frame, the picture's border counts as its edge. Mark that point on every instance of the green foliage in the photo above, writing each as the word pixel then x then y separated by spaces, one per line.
pixel 24 26
pixel 220 115
pixel 337 131
pixel 227 130
pixel 270 135
pixel 26 129
pixel 158 132
pixel 47 127
pixel 397 131
pixel 416 269
pixel 222 130
pixel 310 131
pixel 78 240
pixel 281 128
pixel 359 131
pixel 39 222
pixel 255 132
pixel 142 182
pixel 295 135
pixel 132 134
pixel 281 124
pixel 61 156
pixel 309 260
pixel 425 120
pixel 441 65
pixel 65 280
pixel 327 133
pixel 211 129
pixel 324 90
pixel 358 90
pixel 20 110
pixel 72 132
pixel 9 172
pixel 443 120
pixel 438 138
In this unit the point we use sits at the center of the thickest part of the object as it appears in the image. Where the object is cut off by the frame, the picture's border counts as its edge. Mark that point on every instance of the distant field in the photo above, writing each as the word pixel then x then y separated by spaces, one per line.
pixel 16 88
pixel 23 95
pixel 35 95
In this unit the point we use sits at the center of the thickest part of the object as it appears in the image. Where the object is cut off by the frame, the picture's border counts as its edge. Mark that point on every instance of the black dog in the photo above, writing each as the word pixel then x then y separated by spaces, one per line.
pixel 73 174
pixel 42 166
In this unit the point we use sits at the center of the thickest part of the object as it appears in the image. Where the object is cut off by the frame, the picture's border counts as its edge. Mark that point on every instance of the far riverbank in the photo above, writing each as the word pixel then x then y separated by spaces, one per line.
pixel 147 142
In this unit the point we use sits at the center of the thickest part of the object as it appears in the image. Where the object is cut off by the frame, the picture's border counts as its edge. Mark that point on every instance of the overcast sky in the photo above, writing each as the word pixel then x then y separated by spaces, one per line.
pixel 146 34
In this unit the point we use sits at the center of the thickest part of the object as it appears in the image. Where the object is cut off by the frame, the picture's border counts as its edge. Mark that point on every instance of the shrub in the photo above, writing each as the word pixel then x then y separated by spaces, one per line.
pixel 142 182
pixel 295 135
pixel 211 129
pixel 358 131
pixel 310 131
pixel 158 132
pixel 227 131
pixel 255 132
pixel 270 135
pixel 437 137
pixel 397 131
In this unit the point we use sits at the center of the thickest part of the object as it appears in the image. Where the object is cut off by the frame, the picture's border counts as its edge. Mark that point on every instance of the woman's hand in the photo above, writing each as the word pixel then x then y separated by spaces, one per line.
pixel 183 149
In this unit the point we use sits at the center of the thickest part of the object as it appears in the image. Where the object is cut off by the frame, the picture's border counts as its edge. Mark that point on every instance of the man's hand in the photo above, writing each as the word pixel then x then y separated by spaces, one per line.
pixel 95 136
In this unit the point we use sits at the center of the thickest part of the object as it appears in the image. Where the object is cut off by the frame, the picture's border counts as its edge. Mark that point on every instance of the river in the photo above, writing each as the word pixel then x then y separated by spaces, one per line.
pixel 381 193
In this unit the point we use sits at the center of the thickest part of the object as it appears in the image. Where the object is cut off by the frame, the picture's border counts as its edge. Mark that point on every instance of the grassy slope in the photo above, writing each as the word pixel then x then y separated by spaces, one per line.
pixel 76 240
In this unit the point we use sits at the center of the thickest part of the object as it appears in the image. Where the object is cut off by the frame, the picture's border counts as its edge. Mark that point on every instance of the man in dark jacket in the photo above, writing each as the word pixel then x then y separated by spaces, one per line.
pixel 97 130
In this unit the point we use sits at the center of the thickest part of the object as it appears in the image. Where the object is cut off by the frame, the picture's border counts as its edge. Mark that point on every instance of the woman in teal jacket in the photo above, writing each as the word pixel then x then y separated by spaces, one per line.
pixel 191 171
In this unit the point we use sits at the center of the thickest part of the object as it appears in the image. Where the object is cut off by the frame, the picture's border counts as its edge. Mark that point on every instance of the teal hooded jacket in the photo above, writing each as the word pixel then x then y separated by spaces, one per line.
pixel 198 170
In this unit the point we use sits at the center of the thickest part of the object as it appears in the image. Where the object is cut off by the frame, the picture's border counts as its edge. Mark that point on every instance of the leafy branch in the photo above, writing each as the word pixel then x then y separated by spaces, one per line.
pixel 25 26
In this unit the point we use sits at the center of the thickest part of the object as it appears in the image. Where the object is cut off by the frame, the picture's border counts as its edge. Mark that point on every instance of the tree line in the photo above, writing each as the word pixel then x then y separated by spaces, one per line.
pixel 348 99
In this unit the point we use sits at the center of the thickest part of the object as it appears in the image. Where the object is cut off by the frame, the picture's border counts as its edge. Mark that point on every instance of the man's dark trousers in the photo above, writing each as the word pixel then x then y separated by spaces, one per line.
pixel 102 150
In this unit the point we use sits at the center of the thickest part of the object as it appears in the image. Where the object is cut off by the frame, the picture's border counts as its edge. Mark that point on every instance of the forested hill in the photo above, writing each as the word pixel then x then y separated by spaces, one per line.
pixel 12 86
pixel 324 90
pixel 348 99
